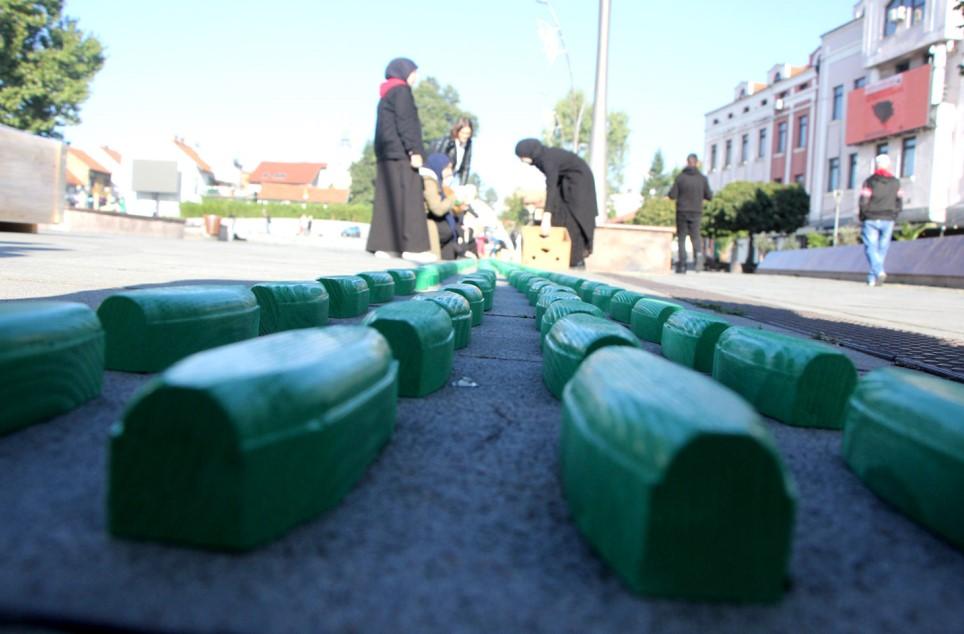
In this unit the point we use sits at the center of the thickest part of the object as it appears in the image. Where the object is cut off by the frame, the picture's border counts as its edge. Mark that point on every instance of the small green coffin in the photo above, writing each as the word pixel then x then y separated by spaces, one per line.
pixel 558 310
pixel 232 447
pixel 381 286
pixel 487 273
pixel 547 299
pixel 904 437
pixel 150 329
pixel 349 295
pixel 404 281
pixel 648 317
pixel 423 341
pixel 571 340
pixel 291 305
pixel 683 497
pixel 484 285
pixel 473 295
pixel 689 338
pixel 535 285
pixel 796 381
pixel 602 296
pixel 459 310
pixel 51 360
pixel 586 290
pixel 621 305
pixel 427 277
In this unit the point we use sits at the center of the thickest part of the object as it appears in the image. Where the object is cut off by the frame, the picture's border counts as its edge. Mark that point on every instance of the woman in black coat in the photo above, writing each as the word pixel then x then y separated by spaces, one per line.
pixel 398 217
pixel 458 147
pixel 570 193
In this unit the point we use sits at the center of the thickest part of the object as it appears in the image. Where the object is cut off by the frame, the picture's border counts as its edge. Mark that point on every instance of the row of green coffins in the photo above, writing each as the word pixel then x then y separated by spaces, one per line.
pixel 686 495
pixel 231 446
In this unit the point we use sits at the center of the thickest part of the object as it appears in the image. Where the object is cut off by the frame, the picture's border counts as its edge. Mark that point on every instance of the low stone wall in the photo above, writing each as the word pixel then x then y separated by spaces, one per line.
pixel 631 248
pixel 87 220
pixel 929 261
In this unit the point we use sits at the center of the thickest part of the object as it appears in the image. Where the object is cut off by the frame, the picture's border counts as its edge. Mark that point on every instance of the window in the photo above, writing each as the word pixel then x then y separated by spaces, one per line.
pixel 890 26
pixel 782 137
pixel 716 121
pixel 914 10
pixel 833 175
pixel 729 116
pixel 803 123
pixel 860 82
pixel 746 109
pixel 837 112
pixel 798 179
pixel 882 148
pixel 713 158
pixel 908 157
pixel 762 150
pixel 903 67
pixel 763 103
pixel 852 172
pixel 777 77
pixel 745 149
pixel 728 155
pixel 778 180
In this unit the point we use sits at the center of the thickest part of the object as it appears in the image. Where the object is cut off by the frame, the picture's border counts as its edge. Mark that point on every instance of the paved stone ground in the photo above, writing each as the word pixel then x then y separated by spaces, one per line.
pixel 458 526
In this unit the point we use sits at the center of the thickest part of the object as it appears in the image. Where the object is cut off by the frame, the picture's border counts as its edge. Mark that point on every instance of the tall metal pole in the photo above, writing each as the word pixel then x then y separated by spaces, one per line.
pixel 597 147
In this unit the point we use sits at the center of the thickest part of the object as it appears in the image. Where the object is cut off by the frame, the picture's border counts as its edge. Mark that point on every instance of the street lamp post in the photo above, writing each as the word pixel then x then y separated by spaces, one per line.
pixel 597 147
pixel 836 213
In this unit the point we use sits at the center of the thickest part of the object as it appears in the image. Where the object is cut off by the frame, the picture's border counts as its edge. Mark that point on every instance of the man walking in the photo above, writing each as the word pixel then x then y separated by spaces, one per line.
pixel 689 191
pixel 880 202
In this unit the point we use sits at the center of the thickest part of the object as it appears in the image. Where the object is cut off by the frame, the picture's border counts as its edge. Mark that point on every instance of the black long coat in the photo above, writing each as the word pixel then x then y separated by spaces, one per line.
pixel 446 146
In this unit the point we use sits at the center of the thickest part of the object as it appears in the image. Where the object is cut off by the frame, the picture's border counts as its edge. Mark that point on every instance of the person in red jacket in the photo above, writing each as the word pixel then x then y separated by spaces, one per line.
pixel 881 199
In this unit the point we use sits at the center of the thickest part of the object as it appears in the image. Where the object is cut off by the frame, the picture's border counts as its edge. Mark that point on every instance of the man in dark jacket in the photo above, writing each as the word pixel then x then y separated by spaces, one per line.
pixel 689 191
pixel 880 202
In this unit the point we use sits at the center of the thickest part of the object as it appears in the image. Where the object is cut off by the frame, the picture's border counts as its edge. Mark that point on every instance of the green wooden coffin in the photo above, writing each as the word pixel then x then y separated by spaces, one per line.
pixel 689 337
pixel 674 480
pixel 602 296
pixel 484 285
pixel 149 329
pixel 904 437
pixel 621 305
pixel 547 299
pixel 571 340
pixel 51 360
pixel 796 381
pixel 233 447
pixel 427 277
pixel 423 341
pixel 649 315
pixel 404 281
pixel 473 295
pixel 381 286
pixel 587 288
pixel 291 305
pixel 349 295
pixel 522 280
pixel 560 309
pixel 459 310
pixel 534 286
pixel 487 273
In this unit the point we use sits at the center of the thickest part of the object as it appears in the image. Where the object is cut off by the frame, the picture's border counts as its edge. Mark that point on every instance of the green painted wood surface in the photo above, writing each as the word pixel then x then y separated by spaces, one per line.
pixel 904 437
pixel 404 281
pixel 291 305
pixel 649 315
pixel 547 299
pixel 427 277
pixel 349 295
pixel 689 337
pixel 487 288
pixel 586 290
pixel 422 340
pixel 232 447
pixel 472 294
pixel 796 381
pixel 621 305
pixel 571 340
pixel 51 360
pixel 558 310
pixel 381 286
pixel 602 296
pixel 674 480
pixel 459 310
pixel 150 329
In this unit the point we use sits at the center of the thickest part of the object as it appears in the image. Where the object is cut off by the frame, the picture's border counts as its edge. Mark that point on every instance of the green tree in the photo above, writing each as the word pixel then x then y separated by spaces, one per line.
pixel 46 65
pixel 720 214
pixel 657 210
pixel 515 210
pixel 490 196
pixel 574 107
pixel 438 110
pixel 657 181
pixel 362 174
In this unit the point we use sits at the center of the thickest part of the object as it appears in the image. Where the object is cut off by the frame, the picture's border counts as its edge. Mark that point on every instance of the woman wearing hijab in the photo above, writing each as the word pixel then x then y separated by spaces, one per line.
pixel 458 147
pixel 440 206
pixel 570 193
pixel 398 217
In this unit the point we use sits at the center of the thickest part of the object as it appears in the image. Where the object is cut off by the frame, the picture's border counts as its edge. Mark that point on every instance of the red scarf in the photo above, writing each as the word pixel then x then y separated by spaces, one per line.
pixel 884 173
pixel 388 85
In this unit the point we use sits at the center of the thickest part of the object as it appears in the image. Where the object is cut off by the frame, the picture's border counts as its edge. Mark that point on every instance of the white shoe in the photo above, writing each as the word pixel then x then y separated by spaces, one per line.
pixel 423 257
pixel 881 279
pixel 385 255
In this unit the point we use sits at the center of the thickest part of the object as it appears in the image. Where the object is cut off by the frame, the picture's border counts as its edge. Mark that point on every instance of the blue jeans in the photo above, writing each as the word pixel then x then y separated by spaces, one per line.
pixel 876 234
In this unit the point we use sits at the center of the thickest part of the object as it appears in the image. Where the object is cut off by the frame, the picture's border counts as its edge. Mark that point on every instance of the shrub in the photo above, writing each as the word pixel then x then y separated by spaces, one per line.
pixel 817 240
pixel 657 211
pixel 248 209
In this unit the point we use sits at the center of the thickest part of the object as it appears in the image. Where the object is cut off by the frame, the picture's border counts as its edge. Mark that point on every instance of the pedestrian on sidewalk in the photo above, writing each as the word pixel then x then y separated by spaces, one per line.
pixel 398 216
pixel 690 190
pixel 881 199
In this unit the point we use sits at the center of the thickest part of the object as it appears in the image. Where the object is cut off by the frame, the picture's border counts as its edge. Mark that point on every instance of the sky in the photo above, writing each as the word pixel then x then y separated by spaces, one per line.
pixel 288 80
